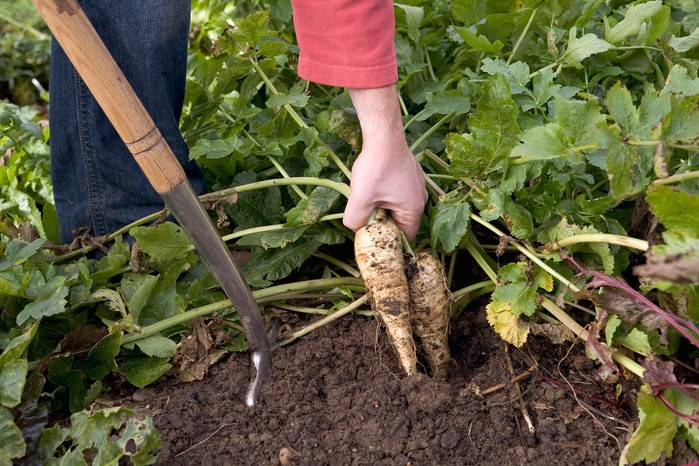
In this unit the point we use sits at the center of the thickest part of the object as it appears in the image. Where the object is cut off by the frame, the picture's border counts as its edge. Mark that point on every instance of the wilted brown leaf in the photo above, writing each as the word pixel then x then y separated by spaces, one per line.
pixel 199 349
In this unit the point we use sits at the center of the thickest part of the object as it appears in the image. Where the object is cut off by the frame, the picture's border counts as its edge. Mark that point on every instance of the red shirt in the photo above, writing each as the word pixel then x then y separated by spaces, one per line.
pixel 346 43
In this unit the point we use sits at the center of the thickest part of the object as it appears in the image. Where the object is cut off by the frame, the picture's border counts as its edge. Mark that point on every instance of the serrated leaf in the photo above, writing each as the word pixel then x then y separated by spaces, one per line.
pixel 137 289
pixel 11 441
pixel 44 307
pixel 619 164
pixel 450 101
pixel 17 252
pixel 682 123
pixel 610 328
pixel 321 201
pixel 494 131
pixel 295 97
pixel 653 436
pixel 637 341
pixel 164 242
pixel 685 44
pixel 278 238
pixel 580 48
pixel 517 73
pixel 675 209
pixel 450 221
pixel 542 143
pixel 100 360
pixel 634 19
pixel 414 16
pixel 478 43
pixel 620 106
pixel 112 264
pixel 679 82
pixel 157 346
pixel 212 149
pixel 141 371
pixel 256 208
pixel 111 298
pixel 518 286
pixel 111 434
pixel 164 301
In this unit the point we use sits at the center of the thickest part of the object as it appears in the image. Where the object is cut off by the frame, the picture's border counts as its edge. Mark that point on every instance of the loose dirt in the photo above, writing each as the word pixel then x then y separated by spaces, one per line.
pixel 338 398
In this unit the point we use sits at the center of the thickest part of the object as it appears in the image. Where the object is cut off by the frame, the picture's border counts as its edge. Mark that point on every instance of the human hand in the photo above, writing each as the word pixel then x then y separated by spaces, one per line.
pixel 386 174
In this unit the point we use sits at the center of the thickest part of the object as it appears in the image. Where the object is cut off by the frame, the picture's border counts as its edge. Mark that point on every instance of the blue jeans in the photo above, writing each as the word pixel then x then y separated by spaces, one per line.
pixel 97 184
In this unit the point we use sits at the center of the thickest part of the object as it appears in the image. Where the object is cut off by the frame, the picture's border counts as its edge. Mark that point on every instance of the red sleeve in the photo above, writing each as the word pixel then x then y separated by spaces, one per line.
pixel 346 43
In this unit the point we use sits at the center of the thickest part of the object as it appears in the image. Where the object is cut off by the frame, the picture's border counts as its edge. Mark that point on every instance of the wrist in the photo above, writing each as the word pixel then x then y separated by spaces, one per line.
pixel 378 110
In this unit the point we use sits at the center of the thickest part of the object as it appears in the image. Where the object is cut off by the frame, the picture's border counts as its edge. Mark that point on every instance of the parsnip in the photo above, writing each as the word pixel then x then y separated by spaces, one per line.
pixel 379 254
pixel 431 304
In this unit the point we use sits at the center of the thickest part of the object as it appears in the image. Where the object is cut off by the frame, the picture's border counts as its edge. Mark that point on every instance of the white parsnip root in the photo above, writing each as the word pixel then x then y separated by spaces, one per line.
pixel 379 253
pixel 431 309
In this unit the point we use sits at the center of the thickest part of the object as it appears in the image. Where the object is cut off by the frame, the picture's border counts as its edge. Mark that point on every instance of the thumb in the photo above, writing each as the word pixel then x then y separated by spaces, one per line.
pixel 356 213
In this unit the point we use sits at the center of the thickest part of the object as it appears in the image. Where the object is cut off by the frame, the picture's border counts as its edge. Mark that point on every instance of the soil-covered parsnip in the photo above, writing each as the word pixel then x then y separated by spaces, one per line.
pixel 431 308
pixel 378 250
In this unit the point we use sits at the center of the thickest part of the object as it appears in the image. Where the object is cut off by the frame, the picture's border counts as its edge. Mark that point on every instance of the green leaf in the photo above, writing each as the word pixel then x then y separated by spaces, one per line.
pixel 610 328
pixel 518 286
pixel 634 19
pixel 256 208
pixel 100 360
pixel 141 371
pixel 164 242
pixel 111 434
pixel 450 221
pixel 278 238
pixel 296 98
pixel 112 264
pixel 17 252
pixel 494 132
pixel 638 342
pixel 111 298
pixel 321 201
pixel 137 289
pixel 619 165
pixel 654 434
pixel 583 47
pixel 685 44
pixel 679 82
pixel 164 301
pixel 44 306
pixel 11 440
pixel 675 209
pixel 517 73
pixel 451 101
pixel 212 149
pixel 542 143
pixel 13 367
pixel 414 16
pixel 478 43
pixel 157 346
pixel 682 123
pixel 620 106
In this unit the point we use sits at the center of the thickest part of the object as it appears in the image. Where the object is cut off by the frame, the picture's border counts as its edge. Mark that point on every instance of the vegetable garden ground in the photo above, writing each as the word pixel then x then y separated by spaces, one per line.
pixel 338 398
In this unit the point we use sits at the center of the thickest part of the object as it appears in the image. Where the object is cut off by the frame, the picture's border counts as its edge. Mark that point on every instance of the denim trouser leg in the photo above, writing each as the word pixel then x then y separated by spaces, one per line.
pixel 97 183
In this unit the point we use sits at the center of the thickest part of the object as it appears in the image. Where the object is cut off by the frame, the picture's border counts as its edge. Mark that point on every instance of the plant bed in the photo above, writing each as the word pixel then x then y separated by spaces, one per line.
pixel 338 398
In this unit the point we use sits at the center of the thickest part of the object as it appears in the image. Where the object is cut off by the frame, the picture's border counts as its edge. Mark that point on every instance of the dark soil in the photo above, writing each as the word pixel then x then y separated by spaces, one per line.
pixel 337 398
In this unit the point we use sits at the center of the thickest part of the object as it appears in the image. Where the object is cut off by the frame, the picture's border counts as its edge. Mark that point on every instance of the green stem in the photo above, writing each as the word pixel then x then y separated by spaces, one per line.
pixel 259 295
pixel 26 27
pixel 430 131
pixel 677 178
pixel 337 263
pixel 481 261
pixel 532 256
pixel 265 228
pixel 326 320
pixel 285 174
pixel 121 231
pixel 342 188
pixel 436 159
pixel 487 285
pixel 635 243
pixel 521 36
